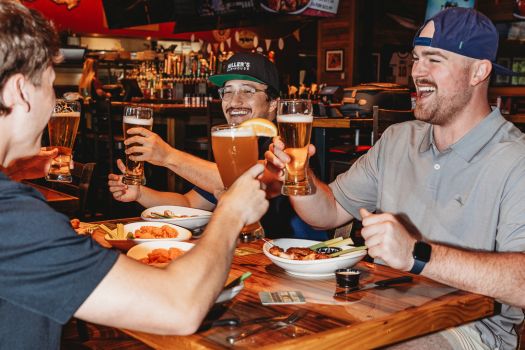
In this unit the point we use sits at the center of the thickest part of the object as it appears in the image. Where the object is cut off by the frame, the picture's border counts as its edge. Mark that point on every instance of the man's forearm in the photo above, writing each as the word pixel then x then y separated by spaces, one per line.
pixel 498 275
pixel 319 210
pixel 150 198
pixel 199 172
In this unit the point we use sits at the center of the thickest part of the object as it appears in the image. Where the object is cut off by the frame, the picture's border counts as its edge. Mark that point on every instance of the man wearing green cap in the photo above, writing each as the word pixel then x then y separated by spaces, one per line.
pixel 442 196
pixel 249 88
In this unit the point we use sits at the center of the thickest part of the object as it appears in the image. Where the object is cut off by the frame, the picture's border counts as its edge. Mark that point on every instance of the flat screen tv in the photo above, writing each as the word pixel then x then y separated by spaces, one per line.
pixel 434 6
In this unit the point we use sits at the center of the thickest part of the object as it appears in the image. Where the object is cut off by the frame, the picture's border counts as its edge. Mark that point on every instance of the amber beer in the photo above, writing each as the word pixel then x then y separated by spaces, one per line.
pixel 62 129
pixel 295 130
pixel 135 117
pixel 235 150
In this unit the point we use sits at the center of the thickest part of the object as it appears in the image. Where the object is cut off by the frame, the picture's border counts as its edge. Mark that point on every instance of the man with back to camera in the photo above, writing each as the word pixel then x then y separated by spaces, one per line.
pixel 448 189
pixel 47 272
pixel 249 89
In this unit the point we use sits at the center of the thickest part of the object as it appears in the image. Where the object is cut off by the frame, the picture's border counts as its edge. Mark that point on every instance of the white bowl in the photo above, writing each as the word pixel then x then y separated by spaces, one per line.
pixel 311 268
pixel 197 217
pixel 141 251
pixel 183 234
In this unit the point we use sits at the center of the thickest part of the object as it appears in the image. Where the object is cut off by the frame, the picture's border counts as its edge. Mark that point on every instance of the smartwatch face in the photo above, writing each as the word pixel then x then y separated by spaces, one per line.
pixel 422 251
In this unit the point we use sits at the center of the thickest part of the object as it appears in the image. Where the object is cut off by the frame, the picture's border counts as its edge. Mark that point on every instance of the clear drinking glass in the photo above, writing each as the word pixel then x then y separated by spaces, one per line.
pixel 294 121
pixel 135 117
pixel 62 128
pixel 235 150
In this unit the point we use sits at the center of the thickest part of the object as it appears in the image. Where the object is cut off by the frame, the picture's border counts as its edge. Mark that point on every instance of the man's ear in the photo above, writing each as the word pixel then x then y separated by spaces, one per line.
pixel 15 92
pixel 481 70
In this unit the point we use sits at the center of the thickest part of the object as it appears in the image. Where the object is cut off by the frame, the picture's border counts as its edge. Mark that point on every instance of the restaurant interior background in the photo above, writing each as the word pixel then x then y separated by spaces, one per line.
pixel 170 48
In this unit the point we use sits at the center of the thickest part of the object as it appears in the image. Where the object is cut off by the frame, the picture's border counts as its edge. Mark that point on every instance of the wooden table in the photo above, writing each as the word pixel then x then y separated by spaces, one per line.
pixel 321 125
pixel 60 201
pixel 369 319
pixel 175 116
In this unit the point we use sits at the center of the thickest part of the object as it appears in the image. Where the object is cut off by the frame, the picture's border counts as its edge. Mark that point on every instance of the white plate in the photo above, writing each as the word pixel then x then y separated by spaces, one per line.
pixel 141 251
pixel 202 216
pixel 311 268
pixel 183 234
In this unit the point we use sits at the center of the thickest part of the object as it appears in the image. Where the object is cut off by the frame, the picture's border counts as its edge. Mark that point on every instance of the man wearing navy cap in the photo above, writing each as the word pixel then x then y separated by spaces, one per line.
pixel 249 88
pixel 442 196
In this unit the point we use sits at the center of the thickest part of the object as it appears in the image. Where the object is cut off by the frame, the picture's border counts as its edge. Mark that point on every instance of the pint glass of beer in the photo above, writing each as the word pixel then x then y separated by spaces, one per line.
pixel 62 128
pixel 235 150
pixel 294 121
pixel 135 117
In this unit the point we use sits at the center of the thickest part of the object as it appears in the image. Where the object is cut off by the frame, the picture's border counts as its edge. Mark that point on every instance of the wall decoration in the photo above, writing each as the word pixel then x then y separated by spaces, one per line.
pixel 221 34
pixel 245 38
pixel 334 60
pixel 71 4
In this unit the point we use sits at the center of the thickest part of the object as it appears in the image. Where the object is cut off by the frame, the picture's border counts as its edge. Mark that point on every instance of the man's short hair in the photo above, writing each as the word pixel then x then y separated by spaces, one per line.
pixel 28 45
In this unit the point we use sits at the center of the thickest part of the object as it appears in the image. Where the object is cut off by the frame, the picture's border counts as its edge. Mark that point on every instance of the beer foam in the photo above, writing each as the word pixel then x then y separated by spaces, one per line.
pixel 138 121
pixel 244 132
pixel 66 114
pixel 295 118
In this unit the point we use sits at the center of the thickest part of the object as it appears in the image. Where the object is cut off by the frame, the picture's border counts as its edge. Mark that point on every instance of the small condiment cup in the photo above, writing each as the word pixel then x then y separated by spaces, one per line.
pixel 347 278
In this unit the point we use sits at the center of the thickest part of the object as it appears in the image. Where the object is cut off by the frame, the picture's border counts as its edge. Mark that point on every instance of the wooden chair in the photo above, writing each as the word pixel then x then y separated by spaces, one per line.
pixel 383 118
pixel 82 175
pixel 214 116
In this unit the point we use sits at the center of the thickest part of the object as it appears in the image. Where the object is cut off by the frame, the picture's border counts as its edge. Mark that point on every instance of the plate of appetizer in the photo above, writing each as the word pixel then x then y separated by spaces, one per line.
pixel 126 236
pixel 159 253
pixel 307 258
pixel 189 218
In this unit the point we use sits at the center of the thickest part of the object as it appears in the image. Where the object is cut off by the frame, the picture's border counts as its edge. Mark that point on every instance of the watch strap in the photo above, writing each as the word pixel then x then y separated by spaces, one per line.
pixel 417 267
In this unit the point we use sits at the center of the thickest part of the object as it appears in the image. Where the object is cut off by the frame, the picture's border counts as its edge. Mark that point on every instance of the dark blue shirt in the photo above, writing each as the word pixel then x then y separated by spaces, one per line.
pixel 46 270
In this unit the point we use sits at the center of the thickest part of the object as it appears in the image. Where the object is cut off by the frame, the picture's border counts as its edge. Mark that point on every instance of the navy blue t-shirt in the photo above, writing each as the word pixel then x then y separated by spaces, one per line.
pixel 280 220
pixel 46 270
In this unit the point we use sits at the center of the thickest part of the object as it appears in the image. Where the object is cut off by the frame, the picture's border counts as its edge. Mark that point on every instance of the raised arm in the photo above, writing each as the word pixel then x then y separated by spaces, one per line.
pixel 176 299
pixel 148 197
pixel 154 150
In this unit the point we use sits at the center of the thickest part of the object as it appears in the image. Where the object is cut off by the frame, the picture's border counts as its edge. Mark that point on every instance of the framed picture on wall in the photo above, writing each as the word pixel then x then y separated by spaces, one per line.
pixel 334 60
pixel 503 79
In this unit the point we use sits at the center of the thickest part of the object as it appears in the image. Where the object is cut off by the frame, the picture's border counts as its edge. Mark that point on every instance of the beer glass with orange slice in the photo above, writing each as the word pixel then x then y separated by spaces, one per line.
pixel 294 119
pixel 235 150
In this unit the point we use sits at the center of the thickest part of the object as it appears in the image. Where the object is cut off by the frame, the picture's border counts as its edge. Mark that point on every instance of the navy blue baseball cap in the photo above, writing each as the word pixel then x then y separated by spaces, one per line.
pixel 248 66
pixel 466 32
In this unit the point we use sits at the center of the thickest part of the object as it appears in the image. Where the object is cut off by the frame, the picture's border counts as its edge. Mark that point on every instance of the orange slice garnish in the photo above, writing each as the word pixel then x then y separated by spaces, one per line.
pixel 261 126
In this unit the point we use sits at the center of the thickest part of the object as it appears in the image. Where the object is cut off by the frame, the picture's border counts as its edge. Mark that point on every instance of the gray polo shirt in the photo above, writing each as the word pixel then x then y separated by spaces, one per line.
pixel 471 195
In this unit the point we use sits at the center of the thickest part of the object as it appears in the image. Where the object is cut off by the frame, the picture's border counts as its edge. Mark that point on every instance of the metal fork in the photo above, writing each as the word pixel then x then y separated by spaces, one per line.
pixel 273 326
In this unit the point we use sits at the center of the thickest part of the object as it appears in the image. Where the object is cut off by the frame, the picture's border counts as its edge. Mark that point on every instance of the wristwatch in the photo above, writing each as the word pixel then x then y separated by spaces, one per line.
pixel 421 254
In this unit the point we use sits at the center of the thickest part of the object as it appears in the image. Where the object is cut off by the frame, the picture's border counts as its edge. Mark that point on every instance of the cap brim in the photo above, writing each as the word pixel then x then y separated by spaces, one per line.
pixel 221 79
pixel 500 70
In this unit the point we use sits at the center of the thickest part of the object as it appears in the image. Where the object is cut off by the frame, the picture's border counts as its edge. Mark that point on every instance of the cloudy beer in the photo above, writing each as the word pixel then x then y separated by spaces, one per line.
pixel 62 129
pixel 135 117
pixel 295 130
pixel 235 150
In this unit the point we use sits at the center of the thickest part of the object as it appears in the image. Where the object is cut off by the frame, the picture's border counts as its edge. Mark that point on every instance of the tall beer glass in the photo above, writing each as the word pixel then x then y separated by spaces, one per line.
pixel 235 150
pixel 62 128
pixel 294 120
pixel 135 117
